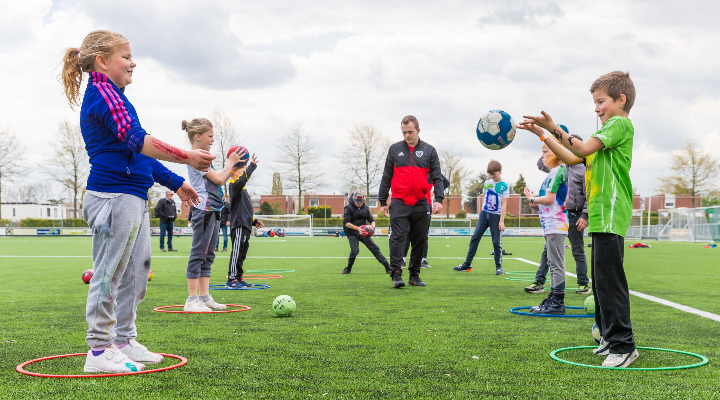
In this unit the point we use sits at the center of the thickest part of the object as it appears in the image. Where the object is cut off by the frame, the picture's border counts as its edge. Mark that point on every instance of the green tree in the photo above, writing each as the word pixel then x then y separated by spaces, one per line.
pixel 277 187
pixel 519 188
pixel 711 199
pixel 693 171
pixel 475 189
pixel 266 208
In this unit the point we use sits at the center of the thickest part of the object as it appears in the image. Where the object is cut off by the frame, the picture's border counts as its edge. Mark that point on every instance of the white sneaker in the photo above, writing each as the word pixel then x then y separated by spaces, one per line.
pixel 111 360
pixel 139 353
pixel 603 349
pixel 620 360
pixel 196 305
pixel 213 305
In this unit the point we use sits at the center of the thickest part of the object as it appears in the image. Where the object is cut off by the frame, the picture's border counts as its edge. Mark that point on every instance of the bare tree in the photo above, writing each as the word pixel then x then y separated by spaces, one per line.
pixel 10 154
pixel 70 161
pixel 34 192
pixel 277 187
pixel 693 171
pixel 363 156
pixel 298 160
pixel 452 167
pixel 225 137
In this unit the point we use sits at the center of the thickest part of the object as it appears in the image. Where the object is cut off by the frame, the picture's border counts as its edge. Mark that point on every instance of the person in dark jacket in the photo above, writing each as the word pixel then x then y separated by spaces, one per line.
pixel 224 223
pixel 357 214
pixel 410 167
pixel 166 211
pixel 241 223
pixel 576 206
pixel 424 263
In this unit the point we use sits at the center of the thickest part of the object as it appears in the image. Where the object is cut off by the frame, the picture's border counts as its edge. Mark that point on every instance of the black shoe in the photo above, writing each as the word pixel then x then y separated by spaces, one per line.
pixel 552 306
pixel 172 250
pixel 346 270
pixel 536 309
pixel 415 281
pixel 403 266
pixel 388 270
pixel 397 281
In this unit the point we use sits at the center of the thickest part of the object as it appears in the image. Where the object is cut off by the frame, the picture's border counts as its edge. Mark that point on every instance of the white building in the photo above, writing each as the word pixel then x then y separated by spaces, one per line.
pixel 17 211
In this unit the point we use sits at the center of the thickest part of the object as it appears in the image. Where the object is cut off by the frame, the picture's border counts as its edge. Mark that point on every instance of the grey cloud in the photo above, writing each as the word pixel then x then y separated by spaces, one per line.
pixel 521 13
pixel 193 41
pixel 304 46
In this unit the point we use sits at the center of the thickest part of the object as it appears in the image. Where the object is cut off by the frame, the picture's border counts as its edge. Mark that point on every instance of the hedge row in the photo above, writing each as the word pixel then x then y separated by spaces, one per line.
pixel 73 223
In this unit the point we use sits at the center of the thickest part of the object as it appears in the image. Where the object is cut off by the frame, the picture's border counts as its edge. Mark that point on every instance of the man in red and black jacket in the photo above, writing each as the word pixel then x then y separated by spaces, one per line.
pixel 410 167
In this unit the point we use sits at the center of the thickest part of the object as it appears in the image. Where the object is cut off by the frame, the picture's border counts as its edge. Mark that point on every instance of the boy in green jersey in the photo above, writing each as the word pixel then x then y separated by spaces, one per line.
pixel 608 157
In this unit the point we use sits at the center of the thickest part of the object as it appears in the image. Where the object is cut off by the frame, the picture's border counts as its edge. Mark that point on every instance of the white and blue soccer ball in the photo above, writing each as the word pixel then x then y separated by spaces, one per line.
pixel 496 130
pixel 596 333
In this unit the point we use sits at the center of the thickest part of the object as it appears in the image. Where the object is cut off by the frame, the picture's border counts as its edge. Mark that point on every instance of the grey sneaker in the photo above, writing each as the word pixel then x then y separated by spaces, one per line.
pixel 620 360
pixel 583 289
pixel 425 265
pixel 535 287
pixel 603 349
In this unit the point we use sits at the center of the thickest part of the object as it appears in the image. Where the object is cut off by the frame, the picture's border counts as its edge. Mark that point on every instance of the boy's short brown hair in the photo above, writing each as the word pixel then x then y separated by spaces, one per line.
pixel 408 119
pixel 494 166
pixel 615 84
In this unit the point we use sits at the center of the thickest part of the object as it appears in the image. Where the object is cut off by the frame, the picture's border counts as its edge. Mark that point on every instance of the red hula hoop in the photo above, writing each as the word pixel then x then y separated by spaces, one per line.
pixel 162 309
pixel 20 368
pixel 262 277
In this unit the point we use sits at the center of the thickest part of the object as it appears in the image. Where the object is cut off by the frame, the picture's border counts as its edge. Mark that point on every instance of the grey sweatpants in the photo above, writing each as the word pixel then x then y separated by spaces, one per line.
pixel 555 245
pixel 121 263
pixel 206 229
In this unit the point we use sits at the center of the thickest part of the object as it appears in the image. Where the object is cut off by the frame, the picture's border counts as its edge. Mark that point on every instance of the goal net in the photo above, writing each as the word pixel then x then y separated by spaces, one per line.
pixel 688 224
pixel 635 231
pixel 285 225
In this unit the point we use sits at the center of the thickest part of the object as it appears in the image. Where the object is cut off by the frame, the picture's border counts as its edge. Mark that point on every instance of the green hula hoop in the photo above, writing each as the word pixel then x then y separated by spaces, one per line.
pixel 703 359
pixel 271 270
pixel 520 272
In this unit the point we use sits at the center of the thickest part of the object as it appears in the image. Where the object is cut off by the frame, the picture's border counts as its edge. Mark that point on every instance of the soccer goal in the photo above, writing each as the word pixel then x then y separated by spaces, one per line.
pixel 688 224
pixel 635 231
pixel 285 225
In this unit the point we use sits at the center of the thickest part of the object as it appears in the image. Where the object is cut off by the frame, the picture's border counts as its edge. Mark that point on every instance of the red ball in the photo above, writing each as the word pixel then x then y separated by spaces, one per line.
pixel 87 275
pixel 244 159
pixel 367 230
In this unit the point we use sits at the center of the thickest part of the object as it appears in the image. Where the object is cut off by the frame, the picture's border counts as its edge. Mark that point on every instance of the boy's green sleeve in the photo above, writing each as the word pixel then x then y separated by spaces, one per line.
pixel 614 132
pixel 560 178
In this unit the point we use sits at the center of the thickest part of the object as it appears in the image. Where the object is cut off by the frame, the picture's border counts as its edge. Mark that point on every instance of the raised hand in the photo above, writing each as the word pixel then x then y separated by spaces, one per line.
pixel 254 159
pixel 201 160
pixel 544 121
pixel 529 126
pixel 234 158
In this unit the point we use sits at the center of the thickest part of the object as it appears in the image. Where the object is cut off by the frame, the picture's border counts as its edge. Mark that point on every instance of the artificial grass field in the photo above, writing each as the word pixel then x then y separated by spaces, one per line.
pixel 354 336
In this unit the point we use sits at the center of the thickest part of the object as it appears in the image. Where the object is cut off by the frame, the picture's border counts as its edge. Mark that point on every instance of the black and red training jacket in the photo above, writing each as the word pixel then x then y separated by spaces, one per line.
pixel 409 174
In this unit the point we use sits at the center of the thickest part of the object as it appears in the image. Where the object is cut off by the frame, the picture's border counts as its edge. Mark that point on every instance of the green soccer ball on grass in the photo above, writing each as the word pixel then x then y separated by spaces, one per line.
pixel 283 305
pixel 589 305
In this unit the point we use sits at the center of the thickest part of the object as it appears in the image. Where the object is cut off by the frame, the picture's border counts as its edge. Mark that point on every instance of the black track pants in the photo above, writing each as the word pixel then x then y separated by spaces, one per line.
pixel 369 243
pixel 408 222
pixel 240 237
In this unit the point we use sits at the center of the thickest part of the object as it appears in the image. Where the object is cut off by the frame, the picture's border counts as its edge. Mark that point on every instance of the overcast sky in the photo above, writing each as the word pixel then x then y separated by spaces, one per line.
pixel 331 64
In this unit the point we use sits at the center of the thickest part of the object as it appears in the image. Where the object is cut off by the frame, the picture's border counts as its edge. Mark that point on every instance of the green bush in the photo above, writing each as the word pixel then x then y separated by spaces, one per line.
pixel 460 214
pixel 5 222
pixel 54 223
pixel 320 212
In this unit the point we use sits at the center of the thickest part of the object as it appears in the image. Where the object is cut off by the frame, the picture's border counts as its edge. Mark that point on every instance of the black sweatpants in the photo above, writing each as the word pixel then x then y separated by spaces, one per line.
pixel 611 293
pixel 240 237
pixel 408 222
pixel 407 244
pixel 369 243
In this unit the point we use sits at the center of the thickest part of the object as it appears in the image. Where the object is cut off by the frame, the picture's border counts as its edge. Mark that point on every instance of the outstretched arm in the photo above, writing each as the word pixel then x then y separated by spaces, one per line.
pixel 578 148
pixel 159 150
pixel 564 154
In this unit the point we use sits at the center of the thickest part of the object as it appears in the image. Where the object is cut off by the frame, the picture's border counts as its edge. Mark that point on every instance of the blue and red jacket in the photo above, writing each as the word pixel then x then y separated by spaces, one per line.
pixel 409 173
pixel 113 139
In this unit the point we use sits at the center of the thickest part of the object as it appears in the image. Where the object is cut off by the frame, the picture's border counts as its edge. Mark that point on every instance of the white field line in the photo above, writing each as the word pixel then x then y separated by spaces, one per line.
pixel 677 306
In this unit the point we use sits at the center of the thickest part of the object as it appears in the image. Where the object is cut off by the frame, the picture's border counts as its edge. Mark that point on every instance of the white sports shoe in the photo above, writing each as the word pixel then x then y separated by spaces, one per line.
pixel 603 349
pixel 213 305
pixel 620 360
pixel 111 360
pixel 196 305
pixel 139 353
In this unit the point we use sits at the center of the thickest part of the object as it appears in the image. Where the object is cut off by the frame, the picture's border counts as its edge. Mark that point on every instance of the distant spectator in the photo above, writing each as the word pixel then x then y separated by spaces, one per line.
pixel 166 211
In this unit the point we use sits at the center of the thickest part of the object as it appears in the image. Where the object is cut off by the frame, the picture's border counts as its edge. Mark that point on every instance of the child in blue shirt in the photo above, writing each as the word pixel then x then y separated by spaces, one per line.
pixel 492 216
pixel 124 166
